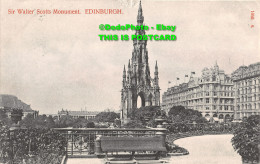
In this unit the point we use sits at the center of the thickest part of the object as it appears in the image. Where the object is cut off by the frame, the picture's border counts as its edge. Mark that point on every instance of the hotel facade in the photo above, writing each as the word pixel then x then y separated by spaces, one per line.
pixel 212 94
pixel 247 91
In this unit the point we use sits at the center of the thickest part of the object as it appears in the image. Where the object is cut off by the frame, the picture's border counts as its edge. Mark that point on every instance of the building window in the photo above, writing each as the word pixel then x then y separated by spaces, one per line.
pixel 226 107
pixel 214 78
pixel 250 82
pixel 232 108
pixel 207 100
pixel 215 87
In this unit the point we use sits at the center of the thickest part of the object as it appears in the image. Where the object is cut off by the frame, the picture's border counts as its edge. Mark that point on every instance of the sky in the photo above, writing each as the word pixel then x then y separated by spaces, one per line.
pixel 58 61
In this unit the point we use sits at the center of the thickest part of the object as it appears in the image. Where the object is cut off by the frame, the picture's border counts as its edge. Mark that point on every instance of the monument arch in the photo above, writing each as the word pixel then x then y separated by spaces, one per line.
pixel 137 81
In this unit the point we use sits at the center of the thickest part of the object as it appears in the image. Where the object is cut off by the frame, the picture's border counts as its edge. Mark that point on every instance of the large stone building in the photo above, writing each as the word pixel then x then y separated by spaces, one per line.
pixel 137 81
pixel 247 90
pixel 78 114
pixel 212 94
pixel 9 102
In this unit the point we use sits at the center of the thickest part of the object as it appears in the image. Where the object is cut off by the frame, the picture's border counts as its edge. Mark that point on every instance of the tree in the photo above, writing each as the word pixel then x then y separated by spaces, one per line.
pixel 106 117
pixel 65 121
pixel 201 120
pixel 80 123
pixel 90 125
pixel 28 121
pixel 50 122
pixel 4 118
pixel 45 145
pixel 176 118
pixel 176 110
pixel 145 113
pixel 42 121
pixel 180 114
pixel 246 140
pixel 83 123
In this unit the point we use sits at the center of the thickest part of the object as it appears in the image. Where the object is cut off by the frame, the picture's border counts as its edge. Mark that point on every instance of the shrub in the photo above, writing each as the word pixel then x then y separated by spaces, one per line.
pixel 246 138
pixel 31 146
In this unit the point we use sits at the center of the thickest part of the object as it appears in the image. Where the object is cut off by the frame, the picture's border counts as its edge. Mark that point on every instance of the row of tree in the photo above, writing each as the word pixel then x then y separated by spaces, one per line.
pixel 145 116
pixel 36 141
pixel 103 119
pixel 142 117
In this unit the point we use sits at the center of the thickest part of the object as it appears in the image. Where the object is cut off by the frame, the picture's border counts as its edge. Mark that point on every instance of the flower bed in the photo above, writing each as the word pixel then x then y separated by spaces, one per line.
pixel 175 150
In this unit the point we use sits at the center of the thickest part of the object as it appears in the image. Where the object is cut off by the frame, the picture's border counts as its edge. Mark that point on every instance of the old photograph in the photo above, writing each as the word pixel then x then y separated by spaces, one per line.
pixel 129 81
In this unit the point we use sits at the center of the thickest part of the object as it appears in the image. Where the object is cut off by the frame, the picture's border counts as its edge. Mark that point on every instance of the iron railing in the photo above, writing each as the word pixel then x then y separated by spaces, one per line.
pixel 81 141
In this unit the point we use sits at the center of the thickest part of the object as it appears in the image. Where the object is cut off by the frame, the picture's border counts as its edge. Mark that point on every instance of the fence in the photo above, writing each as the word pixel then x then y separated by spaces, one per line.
pixel 81 141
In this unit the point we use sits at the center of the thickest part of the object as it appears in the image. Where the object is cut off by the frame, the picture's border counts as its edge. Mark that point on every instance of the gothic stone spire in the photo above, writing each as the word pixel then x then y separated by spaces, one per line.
pixel 140 18
pixel 139 81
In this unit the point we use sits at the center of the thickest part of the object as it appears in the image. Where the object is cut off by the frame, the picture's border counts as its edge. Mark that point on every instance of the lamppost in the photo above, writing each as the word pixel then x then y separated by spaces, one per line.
pixel 159 121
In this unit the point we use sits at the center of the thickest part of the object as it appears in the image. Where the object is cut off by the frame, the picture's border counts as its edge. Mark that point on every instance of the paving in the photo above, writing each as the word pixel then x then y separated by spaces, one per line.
pixel 102 161
pixel 85 161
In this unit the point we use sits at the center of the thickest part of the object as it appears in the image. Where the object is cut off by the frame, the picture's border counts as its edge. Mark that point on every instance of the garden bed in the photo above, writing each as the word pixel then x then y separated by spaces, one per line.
pixel 175 150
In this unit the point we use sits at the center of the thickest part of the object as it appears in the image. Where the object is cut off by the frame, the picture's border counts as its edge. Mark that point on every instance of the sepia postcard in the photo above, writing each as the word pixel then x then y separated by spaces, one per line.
pixel 129 81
